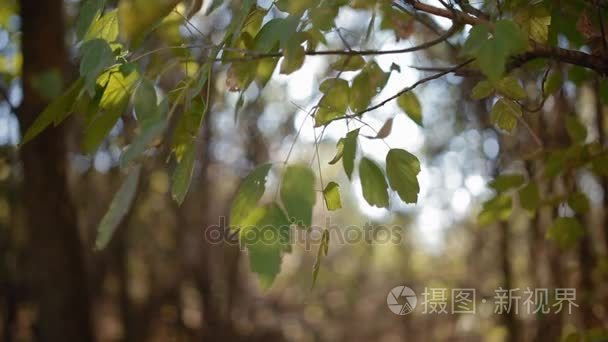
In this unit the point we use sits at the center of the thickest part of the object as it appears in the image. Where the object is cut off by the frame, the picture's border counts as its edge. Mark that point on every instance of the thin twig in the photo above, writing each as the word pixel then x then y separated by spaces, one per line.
pixel 596 63
pixel 446 13
pixel 533 134
pixel 318 156
pixel 468 8
pixel 404 90
pixel 542 94
pixel 343 39
pixel 250 55
pixel 293 144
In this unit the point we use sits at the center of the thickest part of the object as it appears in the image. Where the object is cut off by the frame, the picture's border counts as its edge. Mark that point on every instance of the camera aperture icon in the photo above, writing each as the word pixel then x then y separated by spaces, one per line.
pixel 401 300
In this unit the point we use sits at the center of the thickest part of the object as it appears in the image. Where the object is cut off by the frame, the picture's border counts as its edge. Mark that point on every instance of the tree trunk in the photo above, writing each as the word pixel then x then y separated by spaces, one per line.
pixel 55 256
pixel 510 318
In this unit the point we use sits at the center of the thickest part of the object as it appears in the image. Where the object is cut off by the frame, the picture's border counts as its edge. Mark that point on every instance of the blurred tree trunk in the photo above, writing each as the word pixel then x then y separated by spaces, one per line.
pixel 55 256
pixel 601 132
pixel 510 318
pixel 555 136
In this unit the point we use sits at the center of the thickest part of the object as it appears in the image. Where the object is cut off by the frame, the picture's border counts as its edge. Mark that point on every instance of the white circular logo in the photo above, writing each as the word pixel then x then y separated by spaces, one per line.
pixel 401 300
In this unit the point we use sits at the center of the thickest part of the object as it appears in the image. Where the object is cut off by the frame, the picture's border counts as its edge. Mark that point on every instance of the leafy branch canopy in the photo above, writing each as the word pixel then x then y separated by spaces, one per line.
pixel 119 74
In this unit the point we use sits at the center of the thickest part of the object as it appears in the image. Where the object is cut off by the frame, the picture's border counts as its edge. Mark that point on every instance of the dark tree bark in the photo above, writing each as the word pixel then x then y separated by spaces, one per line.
pixel 55 255
pixel 509 319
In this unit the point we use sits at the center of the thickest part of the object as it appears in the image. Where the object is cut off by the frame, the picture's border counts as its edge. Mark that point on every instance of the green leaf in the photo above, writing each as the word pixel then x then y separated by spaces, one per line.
pixel 89 11
pixel 152 125
pixel 492 52
pixel 578 202
pixel 339 152
pixel 59 108
pixel 478 37
pixel 350 151
pixel 529 197
pixel 294 58
pixel 97 56
pixel 539 28
pixel 247 196
pixel 298 194
pixel 482 90
pixel 377 77
pixel 265 233
pixel 494 210
pixel 491 61
pixel 323 248
pixel 409 103
pixel 264 70
pixel 509 86
pixel 295 7
pixel 119 207
pixel 247 9
pixel 505 182
pixel 361 92
pixel 535 21
pixel 112 105
pixel 367 84
pixel 106 27
pixel 182 176
pixel 139 144
pixel 554 164
pixel 373 183
pixel 402 169
pixel 188 127
pixel 323 16
pixel 334 103
pixel 505 113
pixel 324 116
pixel 336 97
pixel 565 231
pixel 576 130
pixel 331 194
pixel 509 37
pixel 348 63
pixel 273 33
pixel 332 83
pixel 138 17
pixel 99 128
pixel 145 103
pixel 401 23
pixel 553 83
pixel 117 84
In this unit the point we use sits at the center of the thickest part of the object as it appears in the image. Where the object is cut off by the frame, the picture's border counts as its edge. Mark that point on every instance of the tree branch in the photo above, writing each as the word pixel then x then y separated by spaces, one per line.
pixel 597 63
pixel 404 90
pixel 253 55
pixel 449 13
pixel 467 7
pixel 537 50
